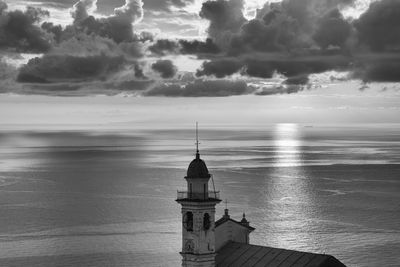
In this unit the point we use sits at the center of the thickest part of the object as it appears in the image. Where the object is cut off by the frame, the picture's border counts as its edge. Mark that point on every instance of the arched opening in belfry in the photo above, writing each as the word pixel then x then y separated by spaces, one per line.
pixel 206 221
pixel 188 221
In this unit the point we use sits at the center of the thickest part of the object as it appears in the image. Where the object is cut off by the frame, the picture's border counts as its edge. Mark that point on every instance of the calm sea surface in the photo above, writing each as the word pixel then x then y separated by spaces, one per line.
pixel 103 198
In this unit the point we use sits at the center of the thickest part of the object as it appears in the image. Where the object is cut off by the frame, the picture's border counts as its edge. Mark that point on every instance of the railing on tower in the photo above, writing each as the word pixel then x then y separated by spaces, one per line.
pixel 197 196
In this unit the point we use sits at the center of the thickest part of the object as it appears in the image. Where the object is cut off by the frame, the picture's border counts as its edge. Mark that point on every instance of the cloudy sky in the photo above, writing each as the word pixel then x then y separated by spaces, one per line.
pixel 222 60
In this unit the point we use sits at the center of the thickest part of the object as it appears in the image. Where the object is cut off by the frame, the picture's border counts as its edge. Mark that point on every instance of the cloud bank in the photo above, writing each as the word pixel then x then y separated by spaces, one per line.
pixel 292 39
pixel 297 38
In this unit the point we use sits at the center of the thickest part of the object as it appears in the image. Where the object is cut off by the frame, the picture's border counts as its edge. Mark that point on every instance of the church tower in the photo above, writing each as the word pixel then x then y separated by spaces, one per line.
pixel 198 215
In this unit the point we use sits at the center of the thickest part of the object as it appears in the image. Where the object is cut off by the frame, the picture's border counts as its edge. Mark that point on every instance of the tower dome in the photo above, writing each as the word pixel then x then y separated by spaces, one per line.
pixel 197 168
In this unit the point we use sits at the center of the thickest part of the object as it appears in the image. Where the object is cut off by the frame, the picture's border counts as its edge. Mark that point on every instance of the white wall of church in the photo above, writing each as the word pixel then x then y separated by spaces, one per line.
pixel 230 231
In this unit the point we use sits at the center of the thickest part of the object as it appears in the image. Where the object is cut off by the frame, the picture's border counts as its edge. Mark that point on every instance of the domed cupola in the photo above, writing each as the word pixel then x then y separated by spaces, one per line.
pixel 197 168
pixel 198 214
pixel 197 177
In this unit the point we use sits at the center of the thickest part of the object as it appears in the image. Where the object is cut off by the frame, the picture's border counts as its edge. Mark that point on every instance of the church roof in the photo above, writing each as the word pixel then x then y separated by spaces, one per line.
pixel 227 218
pixel 241 254
pixel 197 168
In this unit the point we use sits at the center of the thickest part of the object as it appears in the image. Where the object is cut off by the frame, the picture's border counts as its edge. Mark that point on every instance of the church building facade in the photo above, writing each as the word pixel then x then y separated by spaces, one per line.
pixel 207 242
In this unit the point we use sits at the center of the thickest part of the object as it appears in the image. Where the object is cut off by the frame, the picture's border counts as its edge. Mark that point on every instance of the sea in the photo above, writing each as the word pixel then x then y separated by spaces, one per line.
pixel 107 197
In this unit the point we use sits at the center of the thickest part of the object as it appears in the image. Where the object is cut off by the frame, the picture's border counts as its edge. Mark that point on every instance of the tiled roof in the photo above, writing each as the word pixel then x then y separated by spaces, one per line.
pixel 246 255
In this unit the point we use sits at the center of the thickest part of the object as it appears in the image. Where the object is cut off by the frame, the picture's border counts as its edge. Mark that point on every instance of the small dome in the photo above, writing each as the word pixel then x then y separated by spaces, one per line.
pixel 244 219
pixel 197 169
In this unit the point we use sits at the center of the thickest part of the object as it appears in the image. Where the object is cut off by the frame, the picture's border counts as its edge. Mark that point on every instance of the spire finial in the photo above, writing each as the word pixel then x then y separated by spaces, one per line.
pixel 244 221
pixel 197 141
pixel 226 211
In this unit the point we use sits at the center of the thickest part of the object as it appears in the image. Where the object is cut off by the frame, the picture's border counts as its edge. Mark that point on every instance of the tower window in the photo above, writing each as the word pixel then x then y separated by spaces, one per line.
pixel 188 221
pixel 206 221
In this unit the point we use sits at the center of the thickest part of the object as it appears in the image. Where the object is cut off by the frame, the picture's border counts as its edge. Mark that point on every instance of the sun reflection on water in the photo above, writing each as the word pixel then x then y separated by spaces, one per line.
pixel 287 145
pixel 288 196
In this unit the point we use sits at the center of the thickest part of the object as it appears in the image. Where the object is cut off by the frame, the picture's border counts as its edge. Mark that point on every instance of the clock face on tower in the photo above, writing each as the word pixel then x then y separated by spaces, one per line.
pixel 189 245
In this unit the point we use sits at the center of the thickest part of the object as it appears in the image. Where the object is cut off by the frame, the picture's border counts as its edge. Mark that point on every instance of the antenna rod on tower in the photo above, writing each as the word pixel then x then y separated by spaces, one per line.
pixel 197 136
pixel 197 140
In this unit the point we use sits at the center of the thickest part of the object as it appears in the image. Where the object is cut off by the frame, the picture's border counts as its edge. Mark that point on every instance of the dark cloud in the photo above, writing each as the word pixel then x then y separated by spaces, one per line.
pixel 294 38
pixel 118 26
pixel 226 18
pixel 264 66
pixel 201 88
pixel 300 66
pixel 90 49
pixel 304 12
pixel 259 68
pixel 199 47
pixel 165 67
pixel 220 67
pixel 379 41
pixel 119 30
pixel 290 25
pixel 88 45
pixel 333 30
pixel 378 68
pixel 278 33
pixel 297 38
pixel 19 30
pixel 58 68
pixel 115 28
pixel 55 30
pixel 294 26
pixel 132 49
pixel 83 58
pixel 378 28
pixel 134 87
pixel 164 46
pixel 221 88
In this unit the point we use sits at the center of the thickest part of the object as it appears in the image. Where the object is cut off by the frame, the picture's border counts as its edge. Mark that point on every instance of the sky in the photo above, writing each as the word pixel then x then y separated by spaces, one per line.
pixel 222 61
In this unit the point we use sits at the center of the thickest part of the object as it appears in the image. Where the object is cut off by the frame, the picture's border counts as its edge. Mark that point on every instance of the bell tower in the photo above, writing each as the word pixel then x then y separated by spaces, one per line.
pixel 198 215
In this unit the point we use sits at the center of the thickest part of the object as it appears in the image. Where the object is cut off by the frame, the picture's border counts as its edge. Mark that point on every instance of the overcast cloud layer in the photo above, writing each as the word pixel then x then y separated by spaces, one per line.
pixel 110 46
